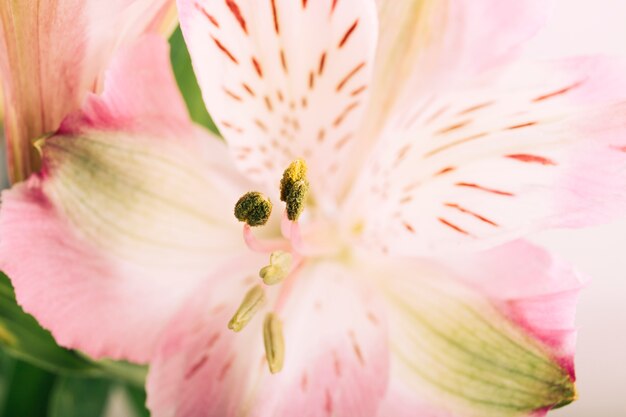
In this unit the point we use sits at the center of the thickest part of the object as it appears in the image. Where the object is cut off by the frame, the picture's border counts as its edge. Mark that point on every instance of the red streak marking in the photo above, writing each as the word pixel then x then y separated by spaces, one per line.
pixel 196 367
pixel 445 170
pixel 372 318
pixel 349 76
pixel 409 227
pixel 231 94
pixel 332 7
pixel 453 226
pixel 207 15
pixel 232 6
pixel 304 382
pixel 320 69
pixel 480 187
pixel 345 114
pixel 341 143
pixel 311 80
pixel 283 60
pixel 402 153
pixel 348 34
pixel 437 114
pixel 231 126
pixel 321 135
pixel 225 51
pixel 280 96
pixel 248 89
pixel 337 364
pixel 619 148
pixel 521 125
pixel 357 351
pixel 474 108
pixel 358 91
pixel 406 200
pixel 454 127
pixel 213 340
pixel 304 2
pixel 261 125
pixel 224 370
pixel 455 143
pixel 268 104
pixel 558 92
pixel 275 14
pixel 466 211
pixel 257 67
pixel 304 102
pixel 532 159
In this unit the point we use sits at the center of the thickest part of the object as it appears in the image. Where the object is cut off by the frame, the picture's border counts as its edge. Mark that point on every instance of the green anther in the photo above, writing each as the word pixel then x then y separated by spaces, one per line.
pixel 278 269
pixel 253 208
pixel 252 302
pixel 296 199
pixel 274 342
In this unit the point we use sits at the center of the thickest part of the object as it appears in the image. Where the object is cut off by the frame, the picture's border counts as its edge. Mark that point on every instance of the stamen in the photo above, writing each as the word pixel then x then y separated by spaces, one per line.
pixel 253 208
pixel 278 269
pixel 274 342
pixel 294 188
pixel 262 246
pixel 252 302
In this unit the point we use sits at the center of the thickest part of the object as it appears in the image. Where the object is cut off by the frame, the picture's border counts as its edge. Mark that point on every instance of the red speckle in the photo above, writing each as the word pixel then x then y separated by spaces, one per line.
pixel 351 74
pixel 466 211
pixel 332 7
pixel 358 91
pixel 345 113
pixel 213 340
pixel 372 318
pixel 304 382
pixel 234 9
pixel 348 33
pixel 225 51
pixel 328 402
pixel 453 226
pixel 521 125
pixel 320 68
pixel 248 89
pixel 445 170
pixel 275 14
pixel 207 15
pixel 283 61
pixel 474 108
pixel 453 127
pixel 268 104
pixel 480 187
pixel 558 92
pixel 311 80
pixel 535 159
pixel 225 369
pixel 408 227
pixel 402 153
pixel 343 141
pixel 304 2
pixel 231 94
pixel 257 67
pixel 336 364
pixel 196 367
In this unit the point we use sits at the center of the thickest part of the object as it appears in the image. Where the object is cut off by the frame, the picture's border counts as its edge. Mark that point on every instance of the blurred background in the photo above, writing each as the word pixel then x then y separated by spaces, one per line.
pixel 60 383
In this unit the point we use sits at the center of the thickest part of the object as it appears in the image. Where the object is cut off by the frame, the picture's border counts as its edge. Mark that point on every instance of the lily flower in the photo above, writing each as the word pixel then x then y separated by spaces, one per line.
pixel 53 52
pixel 379 272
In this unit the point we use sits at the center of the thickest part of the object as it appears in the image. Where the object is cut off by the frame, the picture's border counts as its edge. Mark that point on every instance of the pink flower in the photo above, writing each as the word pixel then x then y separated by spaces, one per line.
pixel 372 304
pixel 52 52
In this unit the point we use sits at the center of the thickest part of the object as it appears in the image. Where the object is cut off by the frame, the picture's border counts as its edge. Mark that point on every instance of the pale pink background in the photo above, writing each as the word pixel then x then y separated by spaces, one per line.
pixel 594 26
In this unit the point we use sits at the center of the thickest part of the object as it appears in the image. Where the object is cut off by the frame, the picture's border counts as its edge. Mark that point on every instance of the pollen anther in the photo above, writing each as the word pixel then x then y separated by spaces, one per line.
pixel 274 342
pixel 294 188
pixel 252 302
pixel 278 269
pixel 253 208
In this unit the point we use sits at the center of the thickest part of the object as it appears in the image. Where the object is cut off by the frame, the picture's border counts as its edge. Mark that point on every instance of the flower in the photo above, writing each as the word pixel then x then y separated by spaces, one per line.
pixel 368 297
pixel 53 52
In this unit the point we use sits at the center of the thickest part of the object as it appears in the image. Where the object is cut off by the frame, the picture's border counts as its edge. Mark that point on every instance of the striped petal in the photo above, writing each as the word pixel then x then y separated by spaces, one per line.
pixel 536 146
pixel 502 346
pixel 284 79
pixel 53 52
pixel 129 214
pixel 336 358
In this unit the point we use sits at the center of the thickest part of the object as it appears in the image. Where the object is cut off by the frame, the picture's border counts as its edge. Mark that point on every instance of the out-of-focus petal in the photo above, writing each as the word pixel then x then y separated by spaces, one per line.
pixel 284 79
pixel 130 212
pixel 537 146
pixel 474 340
pixel 52 53
pixel 336 357
pixel 424 43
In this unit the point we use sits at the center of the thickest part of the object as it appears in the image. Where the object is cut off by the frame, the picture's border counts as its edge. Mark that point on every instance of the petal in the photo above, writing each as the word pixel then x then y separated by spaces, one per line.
pixel 481 349
pixel 537 146
pixel 335 355
pixel 427 42
pixel 128 215
pixel 43 42
pixel 284 79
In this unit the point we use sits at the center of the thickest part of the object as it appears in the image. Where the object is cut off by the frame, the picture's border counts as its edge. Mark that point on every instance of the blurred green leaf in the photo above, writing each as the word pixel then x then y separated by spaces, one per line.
pixel 186 79
pixel 22 337
pixel 79 397
pixel 28 391
pixel 137 397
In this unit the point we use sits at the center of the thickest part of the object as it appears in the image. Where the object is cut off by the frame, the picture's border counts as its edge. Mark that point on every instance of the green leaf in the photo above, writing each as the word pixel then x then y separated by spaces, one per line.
pixel 79 397
pixel 187 83
pixel 28 391
pixel 22 337
pixel 137 397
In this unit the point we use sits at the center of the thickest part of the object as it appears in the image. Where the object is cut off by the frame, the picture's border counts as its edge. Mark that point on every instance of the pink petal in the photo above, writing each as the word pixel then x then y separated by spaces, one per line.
pixel 53 52
pixel 481 349
pixel 284 79
pixel 129 215
pixel 533 147
pixel 335 355
pixel 426 43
